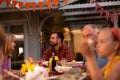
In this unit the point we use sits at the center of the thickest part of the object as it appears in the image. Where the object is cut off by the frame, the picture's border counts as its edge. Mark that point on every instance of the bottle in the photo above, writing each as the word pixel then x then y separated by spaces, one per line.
pixel 53 63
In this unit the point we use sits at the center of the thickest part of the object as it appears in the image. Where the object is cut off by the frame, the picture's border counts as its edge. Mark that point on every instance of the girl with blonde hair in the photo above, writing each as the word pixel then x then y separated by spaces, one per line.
pixel 108 46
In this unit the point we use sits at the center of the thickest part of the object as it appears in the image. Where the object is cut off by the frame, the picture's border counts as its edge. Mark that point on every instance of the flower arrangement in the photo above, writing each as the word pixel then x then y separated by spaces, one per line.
pixel 32 71
pixel 27 66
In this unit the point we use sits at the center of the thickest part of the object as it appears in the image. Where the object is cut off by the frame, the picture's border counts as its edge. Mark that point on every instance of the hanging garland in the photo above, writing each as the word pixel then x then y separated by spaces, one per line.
pixel 113 16
pixel 40 3
pixel 29 3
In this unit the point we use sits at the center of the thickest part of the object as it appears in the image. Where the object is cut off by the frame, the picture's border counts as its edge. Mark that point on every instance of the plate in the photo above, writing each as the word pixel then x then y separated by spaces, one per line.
pixel 78 63
pixel 62 69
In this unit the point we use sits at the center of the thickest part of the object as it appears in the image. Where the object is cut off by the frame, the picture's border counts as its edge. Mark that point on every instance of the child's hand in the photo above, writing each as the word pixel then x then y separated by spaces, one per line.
pixel 86 50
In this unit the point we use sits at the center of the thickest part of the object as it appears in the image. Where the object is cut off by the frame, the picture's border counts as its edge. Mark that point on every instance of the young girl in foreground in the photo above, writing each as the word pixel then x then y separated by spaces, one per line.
pixel 108 46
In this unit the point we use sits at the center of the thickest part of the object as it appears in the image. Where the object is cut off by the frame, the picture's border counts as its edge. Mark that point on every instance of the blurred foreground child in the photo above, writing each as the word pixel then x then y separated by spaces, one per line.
pixel 108 46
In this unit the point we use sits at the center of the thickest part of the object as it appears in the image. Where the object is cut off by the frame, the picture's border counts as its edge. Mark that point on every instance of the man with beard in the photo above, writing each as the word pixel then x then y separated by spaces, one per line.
pixel 58 48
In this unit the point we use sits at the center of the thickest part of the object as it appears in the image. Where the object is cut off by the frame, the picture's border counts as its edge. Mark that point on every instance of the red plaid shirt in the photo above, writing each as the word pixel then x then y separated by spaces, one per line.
pixel 64 52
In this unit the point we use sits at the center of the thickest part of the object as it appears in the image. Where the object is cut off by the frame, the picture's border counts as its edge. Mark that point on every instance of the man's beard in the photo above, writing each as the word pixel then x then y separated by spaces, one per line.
pixel 53 45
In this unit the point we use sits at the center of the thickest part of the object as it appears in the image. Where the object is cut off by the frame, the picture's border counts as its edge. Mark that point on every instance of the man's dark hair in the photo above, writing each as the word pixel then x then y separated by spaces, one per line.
pixel 59 35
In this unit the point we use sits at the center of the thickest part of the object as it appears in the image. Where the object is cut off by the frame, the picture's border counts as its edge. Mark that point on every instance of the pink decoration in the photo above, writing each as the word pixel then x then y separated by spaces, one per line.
pixel 116 17
pixel 97 6
pixel 101 11
pixel 107 15
pixel 91 1
pixel 112 17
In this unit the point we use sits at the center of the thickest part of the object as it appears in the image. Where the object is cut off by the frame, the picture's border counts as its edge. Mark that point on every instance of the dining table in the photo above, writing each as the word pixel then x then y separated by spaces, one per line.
pixel 70 71
pixel 76 72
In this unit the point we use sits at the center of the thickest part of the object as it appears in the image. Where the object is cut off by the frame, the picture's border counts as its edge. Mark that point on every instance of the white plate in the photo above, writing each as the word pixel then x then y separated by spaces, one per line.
pixel 52 77
pixel 78 63
pixel 62 69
